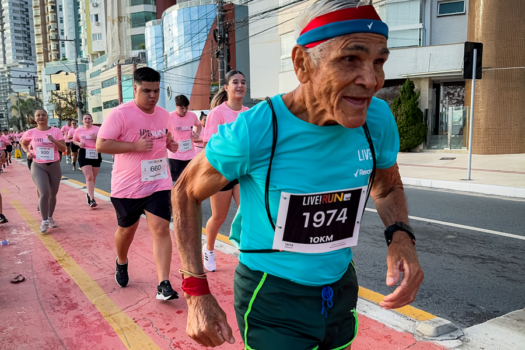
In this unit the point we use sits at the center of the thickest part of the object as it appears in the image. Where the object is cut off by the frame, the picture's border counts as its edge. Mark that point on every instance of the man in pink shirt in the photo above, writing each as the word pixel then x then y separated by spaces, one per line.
pixel 65 130
pixel 137 134
pixel 182 123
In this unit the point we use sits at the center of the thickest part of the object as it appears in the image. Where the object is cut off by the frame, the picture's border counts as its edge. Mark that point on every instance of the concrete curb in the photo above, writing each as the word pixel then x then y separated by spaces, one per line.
pixel 466 187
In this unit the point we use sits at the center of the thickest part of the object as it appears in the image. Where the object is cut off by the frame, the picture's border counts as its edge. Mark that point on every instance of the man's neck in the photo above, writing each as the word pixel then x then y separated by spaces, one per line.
pixel 147 111
pixel 302 103
pixel 235 105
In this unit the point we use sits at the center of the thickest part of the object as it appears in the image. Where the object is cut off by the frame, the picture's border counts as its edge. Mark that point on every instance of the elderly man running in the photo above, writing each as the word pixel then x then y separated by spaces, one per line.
pixel 305 161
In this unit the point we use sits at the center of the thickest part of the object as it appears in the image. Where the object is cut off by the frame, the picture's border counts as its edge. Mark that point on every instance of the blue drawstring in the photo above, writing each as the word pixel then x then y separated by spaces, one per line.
pixel 327 294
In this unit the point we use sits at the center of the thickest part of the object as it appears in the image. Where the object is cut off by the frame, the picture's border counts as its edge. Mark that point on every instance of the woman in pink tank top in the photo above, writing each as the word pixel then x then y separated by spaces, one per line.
pixel 225 107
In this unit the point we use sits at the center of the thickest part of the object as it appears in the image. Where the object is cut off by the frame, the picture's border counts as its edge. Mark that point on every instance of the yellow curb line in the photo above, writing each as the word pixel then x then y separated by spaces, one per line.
pixel 367 294
pixel 5 191
pixel 131 334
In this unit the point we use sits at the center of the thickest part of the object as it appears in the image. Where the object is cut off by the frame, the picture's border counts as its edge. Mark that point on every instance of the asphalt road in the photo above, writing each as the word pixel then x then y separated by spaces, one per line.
pixel 470 276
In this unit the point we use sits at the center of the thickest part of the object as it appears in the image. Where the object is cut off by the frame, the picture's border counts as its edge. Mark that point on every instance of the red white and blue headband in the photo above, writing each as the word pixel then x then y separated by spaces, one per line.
pixel 362 19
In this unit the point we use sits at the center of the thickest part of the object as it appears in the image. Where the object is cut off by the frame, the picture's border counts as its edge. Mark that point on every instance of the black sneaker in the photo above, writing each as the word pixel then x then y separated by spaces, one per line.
pixel 165 292
pixel 88 199
pixel 121 276
pixel 3 219
pixel 93 203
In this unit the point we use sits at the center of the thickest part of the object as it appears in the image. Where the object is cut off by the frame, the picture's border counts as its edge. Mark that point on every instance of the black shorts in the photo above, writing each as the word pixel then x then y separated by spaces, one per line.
pixel 29 162
pixel 82 160
pixel 230 186
pixel 74 148
pixel 9 148
pixel 129 210
pixel 177 167
pixel 68 144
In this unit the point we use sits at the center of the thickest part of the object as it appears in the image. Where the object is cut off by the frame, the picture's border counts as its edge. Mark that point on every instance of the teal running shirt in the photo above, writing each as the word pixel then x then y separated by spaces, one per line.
pixel 308 159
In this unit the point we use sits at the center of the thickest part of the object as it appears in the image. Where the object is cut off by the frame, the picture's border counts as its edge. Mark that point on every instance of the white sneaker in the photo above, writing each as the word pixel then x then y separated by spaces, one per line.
pixel 209 259
pixel 52 222
pixel 44 226
pixel 67 160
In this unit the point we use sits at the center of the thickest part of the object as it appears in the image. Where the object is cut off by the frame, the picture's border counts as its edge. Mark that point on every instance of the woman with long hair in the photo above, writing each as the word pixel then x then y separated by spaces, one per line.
pixel 88 158
pixel 225 107
pixel 46 142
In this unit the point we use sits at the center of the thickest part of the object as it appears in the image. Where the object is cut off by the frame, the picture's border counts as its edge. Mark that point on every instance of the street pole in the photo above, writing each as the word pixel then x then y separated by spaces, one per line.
pixel 19 111
pixel 472 113
pixel 77 76
pixel 220 39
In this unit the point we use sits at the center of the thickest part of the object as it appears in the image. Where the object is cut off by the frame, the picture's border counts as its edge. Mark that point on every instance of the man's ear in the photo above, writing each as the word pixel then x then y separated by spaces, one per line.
pixel 302 63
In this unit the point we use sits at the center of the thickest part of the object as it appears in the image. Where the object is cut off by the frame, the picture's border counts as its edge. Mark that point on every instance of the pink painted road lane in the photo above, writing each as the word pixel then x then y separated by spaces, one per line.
pixel 54 307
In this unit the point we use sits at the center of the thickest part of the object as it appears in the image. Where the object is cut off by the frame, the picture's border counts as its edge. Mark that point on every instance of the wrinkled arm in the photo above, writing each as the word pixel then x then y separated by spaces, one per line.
pixel 389 198
pixel 114 147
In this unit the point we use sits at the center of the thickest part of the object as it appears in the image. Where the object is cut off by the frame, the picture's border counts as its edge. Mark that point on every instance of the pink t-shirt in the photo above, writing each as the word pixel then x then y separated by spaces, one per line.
pixel 70 134
pixel 42 146
pixel 128 123
pixel 65 129
pixel 221 114
pixel 3 142
pixel 200 145
pixel 8 140
pixel 19 136
pixel 86 135
pixel 181 130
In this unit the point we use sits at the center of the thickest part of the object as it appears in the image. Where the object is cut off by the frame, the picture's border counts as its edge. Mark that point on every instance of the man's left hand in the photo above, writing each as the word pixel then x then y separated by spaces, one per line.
pixel 171 144
pixel 402 257
pixel 195 135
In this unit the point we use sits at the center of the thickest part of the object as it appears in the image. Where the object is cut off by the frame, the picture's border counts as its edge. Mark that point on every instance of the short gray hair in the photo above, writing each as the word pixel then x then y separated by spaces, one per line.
pixel 319 8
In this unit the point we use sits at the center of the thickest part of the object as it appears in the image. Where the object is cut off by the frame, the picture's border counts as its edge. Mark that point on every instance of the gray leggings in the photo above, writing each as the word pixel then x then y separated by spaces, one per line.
pixel 46 177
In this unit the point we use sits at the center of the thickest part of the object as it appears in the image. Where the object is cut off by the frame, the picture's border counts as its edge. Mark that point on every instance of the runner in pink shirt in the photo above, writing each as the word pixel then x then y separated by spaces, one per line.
pixel 89 159
pixel 65 130
pixel 137 134
pixel 182 124
pixel 9 146
pixel 46 142
pixel 199 145
pixel 74 148
pixel 226 106
pixel 3 146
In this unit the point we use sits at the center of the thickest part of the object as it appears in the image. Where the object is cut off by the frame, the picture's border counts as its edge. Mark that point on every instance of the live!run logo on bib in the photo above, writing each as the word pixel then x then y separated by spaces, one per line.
pixel 319 222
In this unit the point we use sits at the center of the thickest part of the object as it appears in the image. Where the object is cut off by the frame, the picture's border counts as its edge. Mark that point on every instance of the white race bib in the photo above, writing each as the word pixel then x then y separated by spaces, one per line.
pixel 319 222
pixel 91 154
pixel 45 153
pixel 153 170
pixel 1 144
pixel 185 145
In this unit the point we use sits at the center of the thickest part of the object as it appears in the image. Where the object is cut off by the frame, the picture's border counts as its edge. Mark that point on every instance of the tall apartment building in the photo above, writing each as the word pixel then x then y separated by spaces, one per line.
pixel 17 56
pixel 426 41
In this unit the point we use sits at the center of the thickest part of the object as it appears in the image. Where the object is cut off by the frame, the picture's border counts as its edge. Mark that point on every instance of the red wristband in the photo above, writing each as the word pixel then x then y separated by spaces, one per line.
pixel 195 286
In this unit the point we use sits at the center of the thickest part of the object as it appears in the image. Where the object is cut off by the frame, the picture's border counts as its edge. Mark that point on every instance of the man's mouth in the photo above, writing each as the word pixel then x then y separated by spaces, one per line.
pixel 356 101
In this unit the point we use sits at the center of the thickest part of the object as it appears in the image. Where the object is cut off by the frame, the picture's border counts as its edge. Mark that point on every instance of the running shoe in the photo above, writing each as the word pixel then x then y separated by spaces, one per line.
pixel 166 292
pixel 121 276
pixel 3 219
pixel 93 203
pixel 38 208
pixel 88 199
pixel 74 167
pixel 209 259
pixel 44 226
pixel 52 223
pixel 67 160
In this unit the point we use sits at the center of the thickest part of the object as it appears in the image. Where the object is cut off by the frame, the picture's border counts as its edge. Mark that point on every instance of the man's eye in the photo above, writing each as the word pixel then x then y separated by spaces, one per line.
pixel 380 61
pixel 350 58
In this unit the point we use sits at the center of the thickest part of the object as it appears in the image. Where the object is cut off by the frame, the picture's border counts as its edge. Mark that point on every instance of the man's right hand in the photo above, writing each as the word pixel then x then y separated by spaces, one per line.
pixel 29 155
pixel 207 323
pixel 144 144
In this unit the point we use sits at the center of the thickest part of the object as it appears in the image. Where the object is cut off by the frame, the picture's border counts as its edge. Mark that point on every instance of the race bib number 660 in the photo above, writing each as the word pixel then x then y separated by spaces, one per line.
pixel 319 222
pixel 155 169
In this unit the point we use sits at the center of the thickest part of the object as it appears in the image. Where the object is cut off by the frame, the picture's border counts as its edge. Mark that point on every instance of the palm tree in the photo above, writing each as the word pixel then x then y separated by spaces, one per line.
pixel 28 106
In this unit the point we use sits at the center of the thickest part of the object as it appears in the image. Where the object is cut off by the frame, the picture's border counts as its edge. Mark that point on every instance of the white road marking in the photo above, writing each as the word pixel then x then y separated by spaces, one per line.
pixel 510 235
pixel 107 161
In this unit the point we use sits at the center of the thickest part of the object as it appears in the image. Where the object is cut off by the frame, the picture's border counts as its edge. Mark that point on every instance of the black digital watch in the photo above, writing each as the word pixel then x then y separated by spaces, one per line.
pixel 398 226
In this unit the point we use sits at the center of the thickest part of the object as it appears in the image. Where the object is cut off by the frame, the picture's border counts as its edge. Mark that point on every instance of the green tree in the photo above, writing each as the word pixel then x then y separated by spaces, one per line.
pixel 409 118
pixel 65 104
pixel 28 107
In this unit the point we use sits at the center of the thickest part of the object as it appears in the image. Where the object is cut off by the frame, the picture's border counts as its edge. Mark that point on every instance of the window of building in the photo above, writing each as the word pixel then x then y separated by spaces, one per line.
pixel 62 32
pixel 96 92
pixel 139 19
pixel 63 55
pixel 287 43
pixel 94 18
pixel 142 2
pixel 96 36
pixel 137 41
pixel 97 109
pixel 110 104
pixel 59 7
pixel 63 44
pixel 404 21
pixel 95 74
pixel 109 82
pixel 451 8
pixel 61 19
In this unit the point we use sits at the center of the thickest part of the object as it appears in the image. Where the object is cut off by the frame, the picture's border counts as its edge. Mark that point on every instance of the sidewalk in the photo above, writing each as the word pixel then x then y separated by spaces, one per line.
pixel 491 174
pixel 70 299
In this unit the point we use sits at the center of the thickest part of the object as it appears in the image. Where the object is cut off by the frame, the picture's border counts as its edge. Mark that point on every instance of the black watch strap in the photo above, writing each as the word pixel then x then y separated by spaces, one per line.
pixel 398 226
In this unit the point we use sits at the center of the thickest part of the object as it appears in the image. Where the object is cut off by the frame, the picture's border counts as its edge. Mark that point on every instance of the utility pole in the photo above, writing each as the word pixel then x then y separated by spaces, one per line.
pixel 221 43
pixel 19 111
pixel 79 104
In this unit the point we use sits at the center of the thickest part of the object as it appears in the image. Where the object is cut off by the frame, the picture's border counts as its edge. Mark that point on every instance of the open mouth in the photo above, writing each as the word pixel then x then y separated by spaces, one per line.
pixel 356 101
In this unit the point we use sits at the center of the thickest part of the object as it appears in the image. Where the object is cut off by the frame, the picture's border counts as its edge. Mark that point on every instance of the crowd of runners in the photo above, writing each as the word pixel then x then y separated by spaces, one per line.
pixel 289 158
